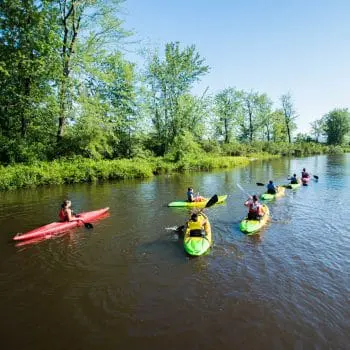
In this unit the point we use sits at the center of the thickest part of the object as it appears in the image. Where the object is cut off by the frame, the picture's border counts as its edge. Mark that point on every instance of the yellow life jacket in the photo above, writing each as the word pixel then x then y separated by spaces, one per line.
pixel 196 227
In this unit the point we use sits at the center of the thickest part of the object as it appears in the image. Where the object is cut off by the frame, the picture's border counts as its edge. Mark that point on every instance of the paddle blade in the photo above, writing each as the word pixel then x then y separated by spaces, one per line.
pixel 88 225
pixel 316 177
pixel 260 184
pixel 212 201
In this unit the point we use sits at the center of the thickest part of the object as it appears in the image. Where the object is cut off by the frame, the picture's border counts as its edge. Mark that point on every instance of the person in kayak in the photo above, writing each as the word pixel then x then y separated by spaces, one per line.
pixel 192 198
pixel 294 179
pixel 66 213
pixel 304 174
pixel 196 224
pixel 271 188
pixel 190 195
pixel 256 211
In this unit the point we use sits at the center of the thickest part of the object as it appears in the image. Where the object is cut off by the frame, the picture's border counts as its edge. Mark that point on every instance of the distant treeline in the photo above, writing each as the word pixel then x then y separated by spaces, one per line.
pixel 67 90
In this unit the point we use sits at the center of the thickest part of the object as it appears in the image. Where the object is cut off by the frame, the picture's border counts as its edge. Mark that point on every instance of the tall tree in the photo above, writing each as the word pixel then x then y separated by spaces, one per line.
pixel 93 25
pixel 250 121
pixel 337 125
pixel 317 128
pixel 265 115
pixel 289 114
pixel 228 108
pixel 168 80
pixel 279 131
pixel 28 66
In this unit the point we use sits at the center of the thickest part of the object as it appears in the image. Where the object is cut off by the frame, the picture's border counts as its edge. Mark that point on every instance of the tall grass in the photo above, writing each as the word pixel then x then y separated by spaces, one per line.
pixel 80 170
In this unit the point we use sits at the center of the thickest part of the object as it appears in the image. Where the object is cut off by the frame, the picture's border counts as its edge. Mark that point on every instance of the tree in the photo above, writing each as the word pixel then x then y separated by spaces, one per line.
pixel 337 126
pixel 228 106
pixel 254 108
pixel 28 67
pixel 265 115
pixel 90 25
pixel 317 128
pixel 279 131
pixel 289 114
pixel 168 81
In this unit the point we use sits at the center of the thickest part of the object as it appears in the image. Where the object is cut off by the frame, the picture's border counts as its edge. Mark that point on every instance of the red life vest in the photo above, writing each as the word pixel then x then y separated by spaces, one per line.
pixel 62 215
pixel 254 208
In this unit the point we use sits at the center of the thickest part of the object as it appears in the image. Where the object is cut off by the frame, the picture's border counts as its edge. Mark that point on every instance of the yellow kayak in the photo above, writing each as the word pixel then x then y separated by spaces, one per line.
pixel 281 191
pixel 200 204
pixel 251 227
pixel 200 243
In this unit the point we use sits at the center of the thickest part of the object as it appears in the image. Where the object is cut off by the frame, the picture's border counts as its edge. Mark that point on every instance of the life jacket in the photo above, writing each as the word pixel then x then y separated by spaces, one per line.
pixel 196 227
pixel 62 215
pixel 304 175
pixel 293 180
pixel 189 196
pixel 254 208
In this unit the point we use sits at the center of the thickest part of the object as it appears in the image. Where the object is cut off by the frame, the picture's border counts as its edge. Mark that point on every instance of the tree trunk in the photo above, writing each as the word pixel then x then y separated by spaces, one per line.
pixel 288 132
pixel 227 139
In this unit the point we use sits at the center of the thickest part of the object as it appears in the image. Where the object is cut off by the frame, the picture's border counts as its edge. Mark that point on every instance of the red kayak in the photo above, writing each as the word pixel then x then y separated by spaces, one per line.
pixel 58 227
pixel 305 180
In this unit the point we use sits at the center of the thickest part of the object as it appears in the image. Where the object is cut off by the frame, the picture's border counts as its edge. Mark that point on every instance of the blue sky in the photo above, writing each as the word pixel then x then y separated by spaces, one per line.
pixel 272 46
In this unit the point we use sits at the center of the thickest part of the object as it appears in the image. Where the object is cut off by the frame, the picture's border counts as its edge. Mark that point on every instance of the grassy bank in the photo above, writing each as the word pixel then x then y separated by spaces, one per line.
pixel 80 170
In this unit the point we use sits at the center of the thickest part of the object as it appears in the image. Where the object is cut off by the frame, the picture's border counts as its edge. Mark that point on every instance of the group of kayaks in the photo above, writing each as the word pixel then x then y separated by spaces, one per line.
pixel 197 246
pixel 193 245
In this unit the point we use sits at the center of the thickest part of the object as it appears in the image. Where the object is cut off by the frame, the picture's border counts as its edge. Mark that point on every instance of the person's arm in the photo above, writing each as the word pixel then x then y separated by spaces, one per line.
pixel 247 202
pixel 69 215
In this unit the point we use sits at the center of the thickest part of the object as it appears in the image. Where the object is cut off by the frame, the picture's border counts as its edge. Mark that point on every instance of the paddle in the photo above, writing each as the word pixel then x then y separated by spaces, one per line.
pixel 76 218
pixel 260 184
pixel 242 189
pixel 210 203
pixel 316 177
pixel 87 225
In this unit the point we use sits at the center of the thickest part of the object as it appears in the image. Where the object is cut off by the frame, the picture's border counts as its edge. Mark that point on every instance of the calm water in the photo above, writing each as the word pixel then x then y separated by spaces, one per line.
pixel 127 284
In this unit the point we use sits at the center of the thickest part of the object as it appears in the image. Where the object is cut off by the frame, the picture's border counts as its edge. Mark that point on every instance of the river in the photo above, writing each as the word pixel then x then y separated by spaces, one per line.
pixel 127 283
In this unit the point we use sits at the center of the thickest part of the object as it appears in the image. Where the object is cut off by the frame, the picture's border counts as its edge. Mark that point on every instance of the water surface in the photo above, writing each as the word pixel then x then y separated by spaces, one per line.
pixel 128 283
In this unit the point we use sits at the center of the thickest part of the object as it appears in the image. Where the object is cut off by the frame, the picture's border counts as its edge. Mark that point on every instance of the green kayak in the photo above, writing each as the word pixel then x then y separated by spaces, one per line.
pixel 292 186
pixel 250 227
pixel 198 245
pixel 200 204
pixel 269 197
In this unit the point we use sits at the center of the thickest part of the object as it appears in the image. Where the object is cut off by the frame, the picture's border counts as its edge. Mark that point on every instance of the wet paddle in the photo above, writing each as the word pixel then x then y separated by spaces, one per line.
pixel 243 190
pixel 260 184
pixel 87 225
pixel 316 177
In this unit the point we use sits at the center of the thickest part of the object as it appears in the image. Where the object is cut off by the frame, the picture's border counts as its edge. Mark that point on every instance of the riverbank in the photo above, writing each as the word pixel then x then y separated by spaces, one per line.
pixel 81 170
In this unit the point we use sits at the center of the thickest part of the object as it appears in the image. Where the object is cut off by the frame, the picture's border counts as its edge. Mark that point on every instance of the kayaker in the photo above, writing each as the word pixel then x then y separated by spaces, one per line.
pixel 271 188
pixel 192 198
pixel 66 213
pixel 294 179
pixel 256 211
pixel 304 174
pixel 190 195
pixel 196 224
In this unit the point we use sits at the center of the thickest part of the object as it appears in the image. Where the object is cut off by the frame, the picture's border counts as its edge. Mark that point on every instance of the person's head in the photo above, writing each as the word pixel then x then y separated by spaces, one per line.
pixel 304 169
pixel 194 217
pixel 66 204
pixel 270 182
pixel 190 189
pixel 255 198
pixel 295 175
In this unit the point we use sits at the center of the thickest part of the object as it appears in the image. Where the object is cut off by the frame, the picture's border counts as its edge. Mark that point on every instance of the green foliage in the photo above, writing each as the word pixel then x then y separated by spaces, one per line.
pixel 169 81
pixel 289 114
pixel 182 146
pixel 337 126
